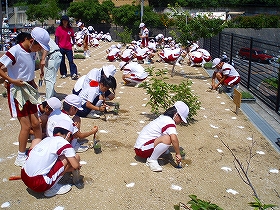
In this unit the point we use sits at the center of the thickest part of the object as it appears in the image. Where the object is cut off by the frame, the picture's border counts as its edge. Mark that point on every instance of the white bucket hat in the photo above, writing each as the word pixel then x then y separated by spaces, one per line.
pixel 65 124
pixel 141 25
pixel 42 37
pixel 215 62
pixel 182 109
pixel 54 103
pixel 109 70
pixel 79 24
pixel 74 100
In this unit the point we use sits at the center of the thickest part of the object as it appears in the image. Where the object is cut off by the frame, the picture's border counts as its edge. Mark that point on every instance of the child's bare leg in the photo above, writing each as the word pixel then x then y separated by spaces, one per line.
pixel 36 126
pixel 24 132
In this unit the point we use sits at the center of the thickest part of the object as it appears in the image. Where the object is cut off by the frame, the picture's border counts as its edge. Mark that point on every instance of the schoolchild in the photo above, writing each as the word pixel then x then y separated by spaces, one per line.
pixel 19 62
pixel 156 137
pixel 49 159
pixel 93 97
pixel 70 106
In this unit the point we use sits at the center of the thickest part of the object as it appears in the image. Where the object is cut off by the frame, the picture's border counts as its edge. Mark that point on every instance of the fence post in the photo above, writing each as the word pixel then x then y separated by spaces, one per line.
pixel 278 90
pixel 231 48
pixel 219 47
pixel 250 64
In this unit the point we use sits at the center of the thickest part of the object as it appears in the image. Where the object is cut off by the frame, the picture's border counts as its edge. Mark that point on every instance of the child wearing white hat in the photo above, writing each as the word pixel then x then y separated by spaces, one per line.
pixel 156 137
pixel 49 159
pixel 133 73
pixel 19 61
pixel 70 106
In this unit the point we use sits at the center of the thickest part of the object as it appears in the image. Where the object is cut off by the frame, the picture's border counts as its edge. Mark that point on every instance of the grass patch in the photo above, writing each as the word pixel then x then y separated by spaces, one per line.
pixel 273 81
pixel 208 65
pixel 247 95
pixel 79 56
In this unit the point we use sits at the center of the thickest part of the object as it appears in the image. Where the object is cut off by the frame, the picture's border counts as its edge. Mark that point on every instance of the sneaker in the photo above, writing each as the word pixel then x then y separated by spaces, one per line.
pixel 75 77
pixel 57 189
pixel 79 148
pixel 20 161
pixel 63 76
pixel 153 164
pixel 93 115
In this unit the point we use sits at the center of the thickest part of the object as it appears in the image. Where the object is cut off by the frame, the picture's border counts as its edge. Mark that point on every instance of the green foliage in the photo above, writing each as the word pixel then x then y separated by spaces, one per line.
pixel 258 205
pixel 163 95
pixel 126 15
pixel 129 16
pixel 125 35
pixel 91 11
pixel 78 56
pixel 256 21
pixel 194 28
pixel 4 94
pixel 214 3
pixel 247 95
pixel 43 11
pixel 273 81
pixel 208 65
pixel 198 204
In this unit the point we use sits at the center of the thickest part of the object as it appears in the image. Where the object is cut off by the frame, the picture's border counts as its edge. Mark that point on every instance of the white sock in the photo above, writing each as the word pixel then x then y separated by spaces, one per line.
pixel 21 154
pixel 159 150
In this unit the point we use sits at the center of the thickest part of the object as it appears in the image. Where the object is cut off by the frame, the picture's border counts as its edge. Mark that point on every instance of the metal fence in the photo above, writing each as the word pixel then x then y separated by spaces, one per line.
pixel 256 74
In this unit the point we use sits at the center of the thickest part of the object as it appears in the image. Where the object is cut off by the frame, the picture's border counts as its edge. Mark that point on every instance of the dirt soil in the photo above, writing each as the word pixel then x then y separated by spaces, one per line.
pixel 116 179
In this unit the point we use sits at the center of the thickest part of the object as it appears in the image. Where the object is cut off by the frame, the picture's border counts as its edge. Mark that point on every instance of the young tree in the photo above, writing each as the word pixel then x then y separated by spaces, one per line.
pixel 193 28
pixel 43 11
pixel 91 11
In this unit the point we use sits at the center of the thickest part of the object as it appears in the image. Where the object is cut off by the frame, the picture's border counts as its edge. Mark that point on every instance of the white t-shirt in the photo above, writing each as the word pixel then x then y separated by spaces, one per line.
pixel 145 32
pixel 205 52
pixel 44 155
pixel 89 94
pixel 163 125
pixel 20 63
pixel 136 70
pixel 79 84
pixel 228 70
pixel 127 53
pixel 142 51
pixel 114 51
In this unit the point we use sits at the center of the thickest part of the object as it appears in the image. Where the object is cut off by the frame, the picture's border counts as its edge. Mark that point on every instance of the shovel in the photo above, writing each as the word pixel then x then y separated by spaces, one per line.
pixel 40 81
pixel 93 142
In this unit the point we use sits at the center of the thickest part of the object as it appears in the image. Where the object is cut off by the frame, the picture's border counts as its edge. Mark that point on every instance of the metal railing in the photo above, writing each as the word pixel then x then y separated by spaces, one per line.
pixel 256 72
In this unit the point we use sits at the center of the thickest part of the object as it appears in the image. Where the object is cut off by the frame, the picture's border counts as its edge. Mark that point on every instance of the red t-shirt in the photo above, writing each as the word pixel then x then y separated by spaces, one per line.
pixel 64 36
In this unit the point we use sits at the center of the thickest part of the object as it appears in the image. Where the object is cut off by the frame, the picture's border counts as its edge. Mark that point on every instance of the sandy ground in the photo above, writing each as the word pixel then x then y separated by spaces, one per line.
pixel 115 179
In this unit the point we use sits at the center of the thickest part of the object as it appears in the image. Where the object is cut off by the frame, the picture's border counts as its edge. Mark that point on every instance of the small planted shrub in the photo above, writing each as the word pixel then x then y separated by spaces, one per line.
pixel 79 56
pixel 163 94
pixel 208 65
pixel 273 81
pixel 247 95
pixel 198 204
pixel 125 35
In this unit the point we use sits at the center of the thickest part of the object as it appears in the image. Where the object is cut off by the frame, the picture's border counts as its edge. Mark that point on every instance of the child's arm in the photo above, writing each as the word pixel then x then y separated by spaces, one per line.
pixel 5 76
pixel 175 144
pixel 83 135
pixel 74 162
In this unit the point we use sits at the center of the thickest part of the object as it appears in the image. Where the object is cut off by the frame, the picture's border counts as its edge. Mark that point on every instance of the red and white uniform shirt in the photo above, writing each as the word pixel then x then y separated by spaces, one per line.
pixel 163 125
pixel 20 63
pixel 136 71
